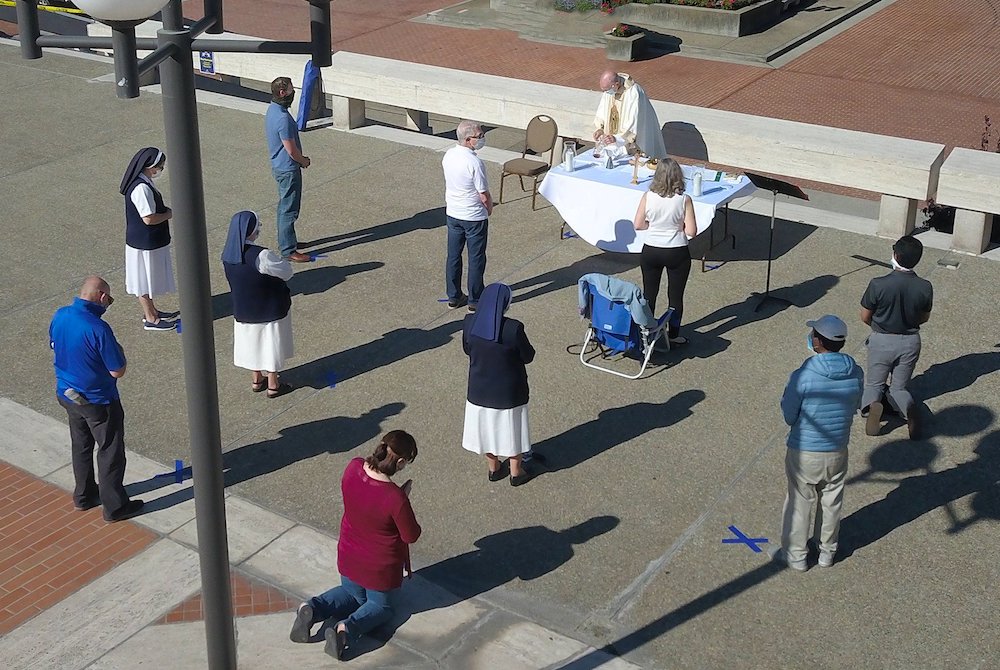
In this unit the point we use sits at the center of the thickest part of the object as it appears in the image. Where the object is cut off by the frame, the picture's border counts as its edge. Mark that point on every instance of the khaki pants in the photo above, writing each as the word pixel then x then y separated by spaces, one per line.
pixel 813 476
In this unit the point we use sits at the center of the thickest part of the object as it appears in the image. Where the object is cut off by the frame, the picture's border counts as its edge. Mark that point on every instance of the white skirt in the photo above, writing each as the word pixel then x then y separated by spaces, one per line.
pixel 263 346
pixel 501 432
pixel 149 271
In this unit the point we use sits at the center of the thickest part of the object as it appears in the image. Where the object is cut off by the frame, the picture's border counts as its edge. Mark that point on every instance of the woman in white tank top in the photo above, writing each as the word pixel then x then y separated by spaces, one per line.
pixel 667 216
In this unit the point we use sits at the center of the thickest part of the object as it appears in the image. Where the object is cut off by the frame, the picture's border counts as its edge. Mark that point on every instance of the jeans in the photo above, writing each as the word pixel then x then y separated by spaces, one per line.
pixel 813 477
pixel 677 262
pixel 460 234
pixel 289 201
pixel 360 609
pixel 894 355
pixel 103 426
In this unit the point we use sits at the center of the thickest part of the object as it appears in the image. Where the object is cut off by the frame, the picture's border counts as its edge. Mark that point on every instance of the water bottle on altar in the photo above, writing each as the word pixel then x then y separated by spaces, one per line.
pixel 569 156
pixel 696 182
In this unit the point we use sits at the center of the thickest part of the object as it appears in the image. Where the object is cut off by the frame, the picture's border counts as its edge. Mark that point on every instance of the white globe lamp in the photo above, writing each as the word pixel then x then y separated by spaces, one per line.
pixel 120 10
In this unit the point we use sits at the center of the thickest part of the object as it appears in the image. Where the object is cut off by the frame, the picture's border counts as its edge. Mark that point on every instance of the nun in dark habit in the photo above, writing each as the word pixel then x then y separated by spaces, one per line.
pixel 148 268
pixel 496 407
pixel 262 332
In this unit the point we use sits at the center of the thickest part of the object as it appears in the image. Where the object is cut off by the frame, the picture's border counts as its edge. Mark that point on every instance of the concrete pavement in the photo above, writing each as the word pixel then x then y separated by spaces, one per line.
pixel 619 544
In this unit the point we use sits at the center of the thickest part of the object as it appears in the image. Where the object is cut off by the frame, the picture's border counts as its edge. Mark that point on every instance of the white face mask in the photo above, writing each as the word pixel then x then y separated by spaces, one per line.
pixel 480 143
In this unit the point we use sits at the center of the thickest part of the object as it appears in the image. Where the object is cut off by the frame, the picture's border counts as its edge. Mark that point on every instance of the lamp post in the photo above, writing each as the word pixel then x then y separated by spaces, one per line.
pixel 172 54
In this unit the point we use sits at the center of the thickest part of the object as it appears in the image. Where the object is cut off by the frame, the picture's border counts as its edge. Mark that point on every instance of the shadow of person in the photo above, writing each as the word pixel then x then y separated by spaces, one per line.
pixel 305 282
pixel 684 140
pixel 613 427
pixel 426 220
pixel 675 618
pixel 333 435
pixel 917 495
pixel 730 317
pixel 392 347
pixel 608 263
pixel 338 434
pixel 954 375
pixel 520 553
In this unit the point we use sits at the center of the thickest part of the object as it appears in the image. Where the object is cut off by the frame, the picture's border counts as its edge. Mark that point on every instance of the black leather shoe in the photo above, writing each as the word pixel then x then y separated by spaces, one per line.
pixel 131 508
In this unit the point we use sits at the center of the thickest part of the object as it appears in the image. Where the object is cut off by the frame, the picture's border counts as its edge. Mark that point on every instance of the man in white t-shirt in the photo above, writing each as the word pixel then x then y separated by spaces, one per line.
pixel 468 206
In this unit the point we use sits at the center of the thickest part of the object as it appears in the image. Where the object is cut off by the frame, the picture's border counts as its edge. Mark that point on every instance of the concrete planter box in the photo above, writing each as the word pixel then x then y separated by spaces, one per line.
pixel 727 22
pixel 623 48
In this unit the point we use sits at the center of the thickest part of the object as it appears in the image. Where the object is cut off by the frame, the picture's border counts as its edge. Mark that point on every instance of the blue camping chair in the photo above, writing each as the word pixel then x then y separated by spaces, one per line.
pixel 613 330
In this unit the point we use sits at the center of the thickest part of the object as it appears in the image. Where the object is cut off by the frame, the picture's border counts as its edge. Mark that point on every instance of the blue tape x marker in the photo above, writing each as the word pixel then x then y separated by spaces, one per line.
pixel 740 538
pixel 315 257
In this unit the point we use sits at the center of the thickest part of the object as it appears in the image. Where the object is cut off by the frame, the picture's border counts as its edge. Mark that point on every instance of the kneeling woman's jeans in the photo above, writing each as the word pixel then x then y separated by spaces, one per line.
pixel 359 608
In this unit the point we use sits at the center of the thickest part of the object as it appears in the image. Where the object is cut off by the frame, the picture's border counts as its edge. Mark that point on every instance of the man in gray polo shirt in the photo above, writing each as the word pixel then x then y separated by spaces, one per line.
pixel 895 306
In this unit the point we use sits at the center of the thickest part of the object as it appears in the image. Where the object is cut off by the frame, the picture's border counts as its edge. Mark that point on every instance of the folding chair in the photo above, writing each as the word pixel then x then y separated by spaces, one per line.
pixel 538 138
pixel 613 330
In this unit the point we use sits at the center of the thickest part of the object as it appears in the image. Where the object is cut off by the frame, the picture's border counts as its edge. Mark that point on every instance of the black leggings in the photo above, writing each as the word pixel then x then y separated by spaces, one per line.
pixel 677 262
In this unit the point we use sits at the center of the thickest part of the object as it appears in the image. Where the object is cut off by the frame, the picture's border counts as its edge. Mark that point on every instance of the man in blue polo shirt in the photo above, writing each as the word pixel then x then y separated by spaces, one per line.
pixel 88 363
pixel 287 161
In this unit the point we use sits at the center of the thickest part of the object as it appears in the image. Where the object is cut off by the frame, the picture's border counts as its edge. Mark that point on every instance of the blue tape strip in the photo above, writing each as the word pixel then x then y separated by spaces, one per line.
pixel 316 257
pixel 331 379
pixel 178 328
pixel 178 471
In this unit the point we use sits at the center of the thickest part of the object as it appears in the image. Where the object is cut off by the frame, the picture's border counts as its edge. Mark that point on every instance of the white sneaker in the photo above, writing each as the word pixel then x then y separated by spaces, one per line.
pixel 825 560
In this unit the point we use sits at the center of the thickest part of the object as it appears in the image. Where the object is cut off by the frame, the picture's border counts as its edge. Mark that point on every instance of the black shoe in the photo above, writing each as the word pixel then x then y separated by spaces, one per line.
pixel 301 627
pixel 89 503
pixel 497 475
pixel 131 508
pixel 336 642
pixel 472 308
pixel 874 421
pixel 913 422
pixel 458 302
pixel 523 478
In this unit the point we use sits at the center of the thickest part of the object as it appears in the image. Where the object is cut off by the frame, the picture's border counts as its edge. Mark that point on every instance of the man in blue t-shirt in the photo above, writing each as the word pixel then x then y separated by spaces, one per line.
pixel 895 305
pixel 88 363
pixel 287 161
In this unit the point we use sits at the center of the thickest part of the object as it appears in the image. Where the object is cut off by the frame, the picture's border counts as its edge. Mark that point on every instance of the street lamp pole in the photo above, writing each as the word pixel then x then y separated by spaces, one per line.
pixel 174 45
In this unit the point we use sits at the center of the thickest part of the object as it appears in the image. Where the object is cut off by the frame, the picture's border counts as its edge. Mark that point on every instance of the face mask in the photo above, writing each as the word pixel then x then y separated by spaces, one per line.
pixel 288 99
pixel 480 143
pixel 809 341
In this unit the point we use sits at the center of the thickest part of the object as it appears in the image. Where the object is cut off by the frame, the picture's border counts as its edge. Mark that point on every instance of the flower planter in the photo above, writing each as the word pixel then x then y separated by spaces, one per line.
pixel 727 22
pixel 623 48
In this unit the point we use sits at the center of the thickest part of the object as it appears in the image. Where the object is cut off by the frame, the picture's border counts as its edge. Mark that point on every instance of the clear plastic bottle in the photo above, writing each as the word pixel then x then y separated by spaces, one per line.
pixel 569 158
pixel 696 190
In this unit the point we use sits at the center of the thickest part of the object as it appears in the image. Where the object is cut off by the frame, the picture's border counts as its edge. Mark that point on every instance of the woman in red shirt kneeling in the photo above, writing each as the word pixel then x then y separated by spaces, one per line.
pixel 373 550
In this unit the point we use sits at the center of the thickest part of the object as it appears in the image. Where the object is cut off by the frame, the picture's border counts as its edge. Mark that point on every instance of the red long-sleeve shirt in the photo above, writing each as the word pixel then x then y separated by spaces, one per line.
pixel 376 531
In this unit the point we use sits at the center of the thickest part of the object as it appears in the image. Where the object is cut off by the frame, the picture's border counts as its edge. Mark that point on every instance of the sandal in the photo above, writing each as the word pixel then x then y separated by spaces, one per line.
pixel 257 387
pixel 280 391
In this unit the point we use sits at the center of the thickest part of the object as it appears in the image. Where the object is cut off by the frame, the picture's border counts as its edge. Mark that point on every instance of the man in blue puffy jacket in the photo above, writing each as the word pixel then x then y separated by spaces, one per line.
pixel 819 404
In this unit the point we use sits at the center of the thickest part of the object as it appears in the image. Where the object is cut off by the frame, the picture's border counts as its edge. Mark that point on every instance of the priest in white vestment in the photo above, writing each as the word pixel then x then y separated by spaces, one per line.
pixel 625 114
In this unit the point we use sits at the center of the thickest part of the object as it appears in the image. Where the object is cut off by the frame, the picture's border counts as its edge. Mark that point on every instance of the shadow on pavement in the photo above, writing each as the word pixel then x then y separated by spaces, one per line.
pixel 707 341
pixel 304 282
pixel 391 348
pixel 613 427
pixel 917 495
pixel 426 220
pixel 334 435
pixel 678 617
pixel 608 263
pixel 521 553
pixel 954 375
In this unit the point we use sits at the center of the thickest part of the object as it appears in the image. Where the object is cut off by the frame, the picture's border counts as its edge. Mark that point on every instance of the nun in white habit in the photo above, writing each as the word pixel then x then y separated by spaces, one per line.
pixel 148 268
pixel 262 332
